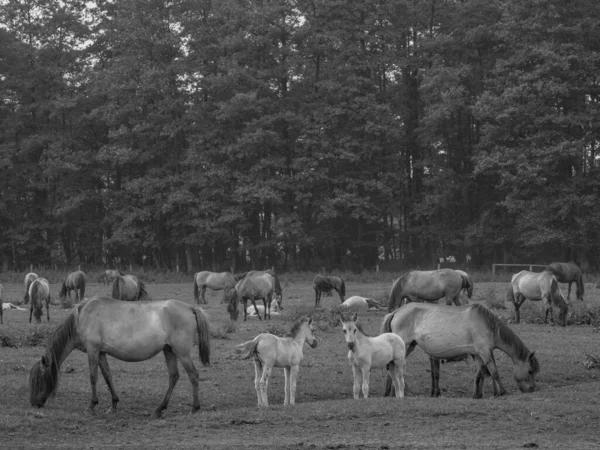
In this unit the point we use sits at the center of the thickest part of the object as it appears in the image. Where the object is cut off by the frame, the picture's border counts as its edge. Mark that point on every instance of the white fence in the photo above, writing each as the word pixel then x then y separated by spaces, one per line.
pixel 531 266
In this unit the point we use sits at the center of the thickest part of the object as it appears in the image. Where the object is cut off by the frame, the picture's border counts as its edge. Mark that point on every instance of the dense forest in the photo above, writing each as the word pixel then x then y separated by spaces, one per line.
pixel 299 134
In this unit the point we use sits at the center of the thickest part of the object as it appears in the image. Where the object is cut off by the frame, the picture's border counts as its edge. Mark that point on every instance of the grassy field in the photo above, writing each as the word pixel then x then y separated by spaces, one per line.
pixel 564 411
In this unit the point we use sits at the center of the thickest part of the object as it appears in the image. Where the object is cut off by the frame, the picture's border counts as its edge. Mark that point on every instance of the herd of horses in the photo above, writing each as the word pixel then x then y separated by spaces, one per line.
pixel 138 331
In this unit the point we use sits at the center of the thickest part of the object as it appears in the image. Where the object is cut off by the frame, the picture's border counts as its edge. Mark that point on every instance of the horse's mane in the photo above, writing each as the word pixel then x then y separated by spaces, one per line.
pixel 296 327
pixel 506 335
pixel 397 287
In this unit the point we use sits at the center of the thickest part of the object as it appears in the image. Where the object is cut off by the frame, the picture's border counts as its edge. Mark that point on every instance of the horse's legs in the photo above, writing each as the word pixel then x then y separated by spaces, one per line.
pixel 365 382
pixel 202 295
pixel 389 389
pixel 264 383
pixel 435 376
pixel 548 306
pixel 317 297
pixel 258 369
pixel 30 311
pixel 245 302
pixel 491 367
pixel 255 308
pixel 396 372
pixel 171 361
pixel 188 364
pixel 293 378
pixel 356 387
pixel 479 379
pixel 105 369
pixel 48 309
pixel 569 291
pixel 287 375
pixel 518 302
pixel 93 359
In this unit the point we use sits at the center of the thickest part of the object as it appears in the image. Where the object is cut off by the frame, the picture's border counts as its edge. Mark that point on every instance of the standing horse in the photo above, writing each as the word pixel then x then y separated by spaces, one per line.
pixel 537 286
pixel 271 351
pixel 255 286
pixel 75 281
pixel 327 284
pixel 454 333
pixel 430 286
pixel 131 332
pixel 129 288
pixel 39 293
pixel 366 353
pixel 110 275
pixel 568 273
pixel 277 292
pixel 29 278
pixel 222 281
pixel 359 304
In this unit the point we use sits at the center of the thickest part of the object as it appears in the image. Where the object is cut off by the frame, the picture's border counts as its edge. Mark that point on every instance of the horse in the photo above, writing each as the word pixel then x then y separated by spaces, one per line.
pixel 129 288
pixel 537 286
pixel 221 281
pixel 75 281
pixel 110 275
pixel 366 353
pixel 131 332
pixel 323 284
pixel 568 273
pixel 453 334
pixel 251 311
pixel 468 284
pixel 255 286
pixel 29 278
pixel 271 351
pixel 430 286
pixel 39 293
pixel 360 304
pixel 277 291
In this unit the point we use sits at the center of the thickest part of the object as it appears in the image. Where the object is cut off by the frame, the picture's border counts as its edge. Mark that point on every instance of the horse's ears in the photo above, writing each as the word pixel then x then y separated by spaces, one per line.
pixel 354 317
pixel 46 361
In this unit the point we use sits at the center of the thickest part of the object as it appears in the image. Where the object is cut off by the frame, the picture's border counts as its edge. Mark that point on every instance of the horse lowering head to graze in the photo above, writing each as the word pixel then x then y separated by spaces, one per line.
pixel 110 275
pixel 27 282
pixel 569 273
pixel 129 288
pixel 131 332
pixel 322 284
pixel 454 333
pixel 537 286
pixel 75 281
pixel 430 286
pixel 39 293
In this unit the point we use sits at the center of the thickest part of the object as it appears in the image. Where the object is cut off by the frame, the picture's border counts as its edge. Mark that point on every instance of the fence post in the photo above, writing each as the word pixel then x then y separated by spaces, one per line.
pixel 31 267
pixel 531 268
pixel 493 270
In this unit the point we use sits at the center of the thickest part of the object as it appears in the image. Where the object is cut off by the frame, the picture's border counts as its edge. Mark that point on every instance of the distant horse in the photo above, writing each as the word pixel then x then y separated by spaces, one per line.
pixel 255 286
pixel 129 288
pixel 455 333
pixel 39 293
pixel 323 284
pixel 271 351
pixel 366 353
pixel 360 304
pixel 130 332
pixel 430 286
pixel 75 281
pixel 537 286
pixel 29 278
pixel 222 281
pixel 110 275
pixel 568 273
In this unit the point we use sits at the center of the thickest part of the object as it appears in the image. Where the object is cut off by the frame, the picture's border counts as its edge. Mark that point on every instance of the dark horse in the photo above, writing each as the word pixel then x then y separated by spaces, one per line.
pixel 254 286
pixel 29 278
pixel 75 281
pixel 39 293
pixel 568 273
pixel 327 284
pixel 129 288
pixel 430 286
pixel 131 332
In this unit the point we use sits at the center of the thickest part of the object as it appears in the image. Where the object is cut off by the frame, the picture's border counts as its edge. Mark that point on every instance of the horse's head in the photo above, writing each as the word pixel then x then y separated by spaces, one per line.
pixel 63 290
pixel 232 304
pixel 309 335
pixel 42 381
pixel 525 372
pixel 349 327
pixel 279 300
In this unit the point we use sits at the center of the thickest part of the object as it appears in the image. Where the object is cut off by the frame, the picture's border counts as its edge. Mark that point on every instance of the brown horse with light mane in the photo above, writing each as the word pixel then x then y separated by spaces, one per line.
pixel 131 332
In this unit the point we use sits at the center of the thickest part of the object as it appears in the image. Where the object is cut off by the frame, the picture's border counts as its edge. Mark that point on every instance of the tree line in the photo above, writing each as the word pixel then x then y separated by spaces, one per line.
pixel 299 134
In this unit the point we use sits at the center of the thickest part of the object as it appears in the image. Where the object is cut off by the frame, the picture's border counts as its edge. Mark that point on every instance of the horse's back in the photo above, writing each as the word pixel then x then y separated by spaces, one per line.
pixel 356 303
pixel 257 284
pixel 533 285
pixel 40 285
pixel 564 272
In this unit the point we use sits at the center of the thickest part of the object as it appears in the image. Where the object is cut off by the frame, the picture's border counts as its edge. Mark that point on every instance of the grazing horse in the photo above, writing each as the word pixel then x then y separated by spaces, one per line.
pixel 29 278
pixel 568 273
pixel 110 275
pixel 455 333
pixel 131 332
pixel 271 351
pixel 129 288
pixel 327 284
pixel 75 281
pixel 360 304
pixel 366 353
pixel 222 281
pixel 537 286
pixel 255 286
pixel 39 293
pixel 430 286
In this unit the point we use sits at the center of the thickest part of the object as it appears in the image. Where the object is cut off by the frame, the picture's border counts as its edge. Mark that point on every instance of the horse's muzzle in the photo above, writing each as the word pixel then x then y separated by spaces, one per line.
pixel 313 344
pixel 351 345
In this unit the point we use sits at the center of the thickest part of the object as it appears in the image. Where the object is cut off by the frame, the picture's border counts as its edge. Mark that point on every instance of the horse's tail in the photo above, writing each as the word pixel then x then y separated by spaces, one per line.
pixel 510 295
pixel 386 325
pixel 116 289
pixel 26 297
pixel 556 296
pixel 203 328
pixel 580 286
pixel 467 284
pixel 82 287
pixel 36 301
pixel 248 349
pixel 142 292
pixel 196 291
pixel 343 288
pixel 396 294
pixel 44 375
